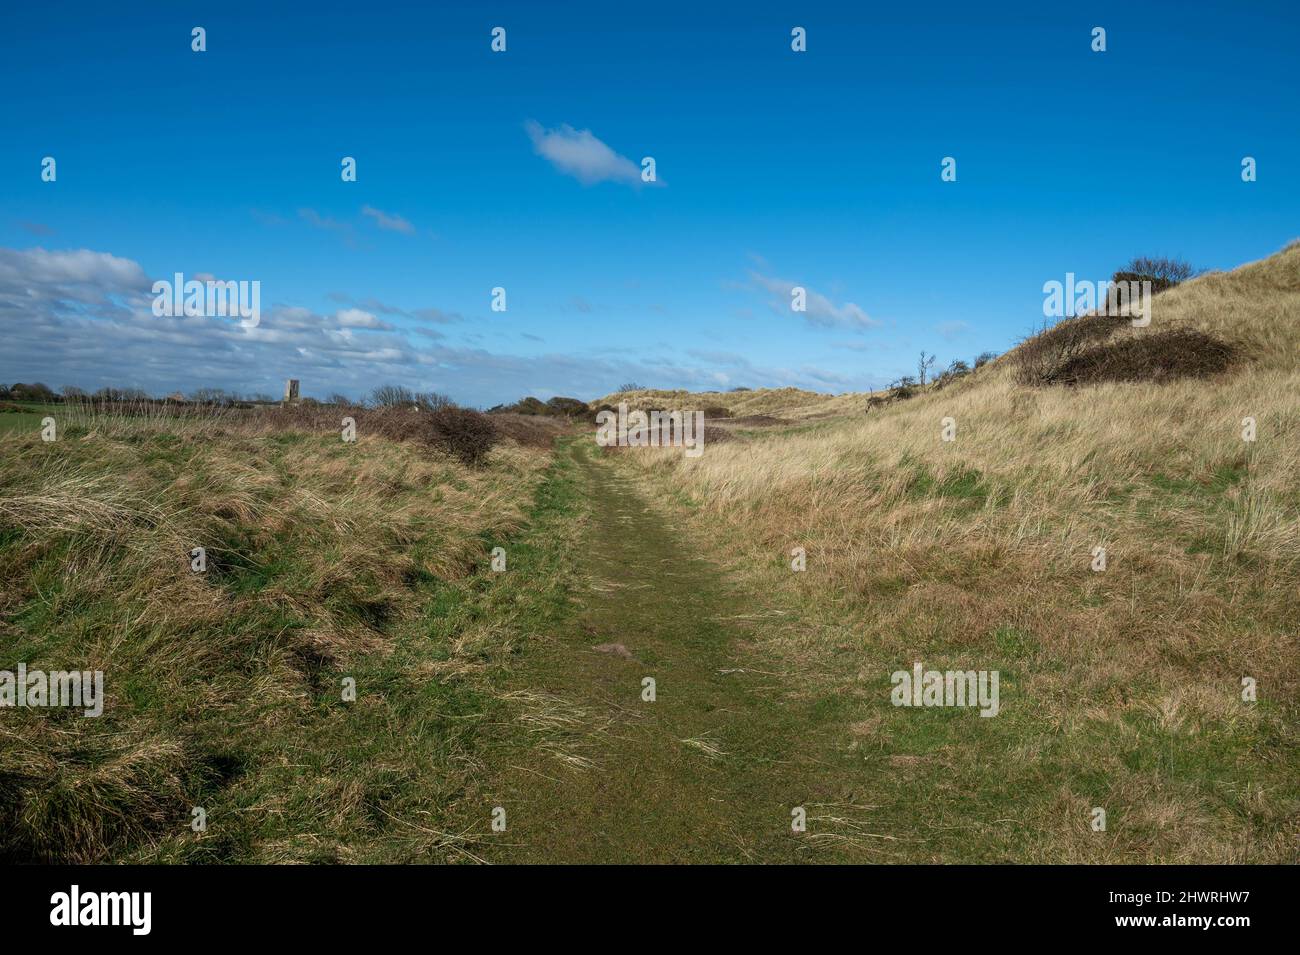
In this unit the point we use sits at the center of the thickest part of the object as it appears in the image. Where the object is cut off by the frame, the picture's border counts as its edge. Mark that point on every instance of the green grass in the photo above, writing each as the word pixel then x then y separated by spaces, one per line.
pixel 481 689
pixel 225 690
pixel 27 419
pixel 964 488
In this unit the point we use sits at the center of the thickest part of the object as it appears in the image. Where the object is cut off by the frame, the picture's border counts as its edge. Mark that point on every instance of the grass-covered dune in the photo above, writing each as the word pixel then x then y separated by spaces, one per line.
pixel 1122 688
pixel 787 402
pixel 325 560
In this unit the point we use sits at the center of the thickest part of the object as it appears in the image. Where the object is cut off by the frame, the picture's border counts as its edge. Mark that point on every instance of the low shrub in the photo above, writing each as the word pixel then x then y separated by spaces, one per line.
pixel 1162 273
pixel 1040 357
pixel 958 369
pixel 1159 356
pixel 559 406
pixel 900 390
pixel 1088 349
pixel 529 405
pixel 468 435
pixel 566 407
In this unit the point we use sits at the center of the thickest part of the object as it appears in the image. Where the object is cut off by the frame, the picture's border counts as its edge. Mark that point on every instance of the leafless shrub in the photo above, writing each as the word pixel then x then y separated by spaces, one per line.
pixel 1159 356
pixel 1162 273
pixel 1162 269
pixel 1040 357
pixel 1088 349
pixel 466 434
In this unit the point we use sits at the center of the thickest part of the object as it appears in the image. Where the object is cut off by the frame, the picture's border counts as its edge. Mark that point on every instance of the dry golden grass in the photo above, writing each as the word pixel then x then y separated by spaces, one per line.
pixel 223 687
pixel 791 403
pixel 978 551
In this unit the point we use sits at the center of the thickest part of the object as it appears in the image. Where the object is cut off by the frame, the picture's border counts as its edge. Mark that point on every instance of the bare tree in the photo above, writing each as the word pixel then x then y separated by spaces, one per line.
pixel 208 396
pixel 387 396
pixel 923 365
pixel 431 401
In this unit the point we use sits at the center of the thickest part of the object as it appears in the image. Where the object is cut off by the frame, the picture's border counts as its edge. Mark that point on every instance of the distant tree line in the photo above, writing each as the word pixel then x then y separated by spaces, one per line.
pixel 394 396
pixel 41 392
pixel 559 407
pixel 385 396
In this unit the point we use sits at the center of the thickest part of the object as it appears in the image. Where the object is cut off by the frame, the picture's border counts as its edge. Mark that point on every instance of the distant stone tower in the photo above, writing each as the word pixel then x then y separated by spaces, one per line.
pixel 291 391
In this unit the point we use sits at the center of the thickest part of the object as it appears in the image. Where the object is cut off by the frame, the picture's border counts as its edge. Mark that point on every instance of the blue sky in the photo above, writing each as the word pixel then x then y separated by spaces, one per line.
pixel 476 169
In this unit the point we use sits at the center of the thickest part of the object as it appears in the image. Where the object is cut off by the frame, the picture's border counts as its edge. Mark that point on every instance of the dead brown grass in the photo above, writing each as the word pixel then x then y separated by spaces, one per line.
pixel 978 551
pixel 321 555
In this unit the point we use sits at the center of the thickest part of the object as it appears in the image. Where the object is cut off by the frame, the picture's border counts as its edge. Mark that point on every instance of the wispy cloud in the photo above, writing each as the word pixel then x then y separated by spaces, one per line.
pixel 580 154
pixel 389 221
pixel 435 316
pixel 327 224
pixel 821 311
pixel 267 218
pixel 951 330
pixel 84 317
pixel 314 218
pixel 359 318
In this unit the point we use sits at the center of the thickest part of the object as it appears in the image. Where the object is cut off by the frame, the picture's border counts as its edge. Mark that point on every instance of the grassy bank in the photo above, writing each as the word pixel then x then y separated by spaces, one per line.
pixel 225 689
pixel 1122 688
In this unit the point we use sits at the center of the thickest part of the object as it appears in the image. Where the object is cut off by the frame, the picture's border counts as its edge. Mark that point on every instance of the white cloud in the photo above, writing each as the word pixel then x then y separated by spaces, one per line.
pixel 820 311
pixel 371 304
pixel 84 318
pixel 50 270
pixel 314 218
pixel 358 318
pixel 391 222
pixel 580 154
pixel 329 224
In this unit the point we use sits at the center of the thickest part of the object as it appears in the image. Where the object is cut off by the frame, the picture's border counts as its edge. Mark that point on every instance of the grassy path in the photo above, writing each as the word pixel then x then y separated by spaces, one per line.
pixel 710 770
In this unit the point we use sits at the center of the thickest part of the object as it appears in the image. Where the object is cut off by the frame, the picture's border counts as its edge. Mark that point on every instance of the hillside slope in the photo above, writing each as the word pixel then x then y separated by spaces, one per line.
pixel 1122 687
pixel 792 403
